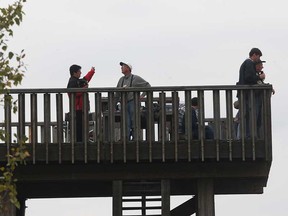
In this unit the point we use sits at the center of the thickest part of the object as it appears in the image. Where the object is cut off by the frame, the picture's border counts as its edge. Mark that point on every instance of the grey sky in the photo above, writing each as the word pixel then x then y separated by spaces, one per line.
pixel 168 42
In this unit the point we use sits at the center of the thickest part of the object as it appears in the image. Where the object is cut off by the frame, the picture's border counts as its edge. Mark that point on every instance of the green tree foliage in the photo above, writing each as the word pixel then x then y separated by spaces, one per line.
pixel 11 64
pixel 12 70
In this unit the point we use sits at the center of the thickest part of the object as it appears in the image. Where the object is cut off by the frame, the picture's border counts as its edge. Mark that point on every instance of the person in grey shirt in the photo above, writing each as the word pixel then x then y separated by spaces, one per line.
pixel 126 81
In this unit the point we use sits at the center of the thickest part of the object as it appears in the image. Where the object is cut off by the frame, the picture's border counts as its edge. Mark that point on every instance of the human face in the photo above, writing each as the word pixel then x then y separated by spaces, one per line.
pixel 255 57
pixel 77 74
pixel 125 69
pixel 259 67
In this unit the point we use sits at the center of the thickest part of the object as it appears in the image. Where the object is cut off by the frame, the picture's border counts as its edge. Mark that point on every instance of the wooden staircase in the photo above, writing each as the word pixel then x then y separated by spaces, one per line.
pixel 141 198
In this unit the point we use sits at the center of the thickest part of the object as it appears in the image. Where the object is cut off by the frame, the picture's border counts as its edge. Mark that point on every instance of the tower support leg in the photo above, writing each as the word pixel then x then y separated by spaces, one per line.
pixel 205 197
pixel 117 198
pixel 21 211
pixel 165 196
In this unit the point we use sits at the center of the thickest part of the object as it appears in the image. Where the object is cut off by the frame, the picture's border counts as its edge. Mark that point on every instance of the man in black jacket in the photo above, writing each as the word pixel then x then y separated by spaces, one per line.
pixel 249 76
pixel 247 73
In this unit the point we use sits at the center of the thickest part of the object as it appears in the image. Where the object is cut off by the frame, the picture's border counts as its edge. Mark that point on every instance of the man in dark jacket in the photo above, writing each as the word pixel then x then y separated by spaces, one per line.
pixel 249 76
pixel 76 82
pixel 247 73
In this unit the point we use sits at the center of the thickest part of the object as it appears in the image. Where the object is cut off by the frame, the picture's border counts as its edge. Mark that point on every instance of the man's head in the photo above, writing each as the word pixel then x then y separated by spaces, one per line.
pixel 255 54
pixel 126 68
pixel 194 102
pixel 75 70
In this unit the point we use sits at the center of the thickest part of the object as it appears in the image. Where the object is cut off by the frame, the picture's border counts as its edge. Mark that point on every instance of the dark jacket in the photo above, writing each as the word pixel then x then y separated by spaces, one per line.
pixel 247 73
pixel 194 123
pixel 209 134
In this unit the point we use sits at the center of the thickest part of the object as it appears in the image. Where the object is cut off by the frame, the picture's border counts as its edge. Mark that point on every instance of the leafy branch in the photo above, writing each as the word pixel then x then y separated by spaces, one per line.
pixel 12 70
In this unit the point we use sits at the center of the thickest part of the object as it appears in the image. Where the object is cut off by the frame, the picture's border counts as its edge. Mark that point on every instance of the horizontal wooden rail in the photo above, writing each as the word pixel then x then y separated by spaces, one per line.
pixel 42 118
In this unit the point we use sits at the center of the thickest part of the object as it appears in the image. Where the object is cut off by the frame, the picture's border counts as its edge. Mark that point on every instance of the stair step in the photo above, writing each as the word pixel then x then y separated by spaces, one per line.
pixel 140 200
pixel 141 196
pixel 140 208
pixel 142 215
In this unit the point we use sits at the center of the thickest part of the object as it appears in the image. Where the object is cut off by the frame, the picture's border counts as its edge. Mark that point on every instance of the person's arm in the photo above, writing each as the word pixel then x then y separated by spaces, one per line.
pixel 117 94
pixel 90 74
pixel 250 75
pixel 194 120
pixel 73 83
pixel 140 82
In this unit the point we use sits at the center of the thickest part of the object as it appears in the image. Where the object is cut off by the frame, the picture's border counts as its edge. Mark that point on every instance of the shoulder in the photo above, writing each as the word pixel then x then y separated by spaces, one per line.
pixel 72 83
pixel 248 64
pixel 120 81
pixel 247 61
pixel 137 77
pixel 121 78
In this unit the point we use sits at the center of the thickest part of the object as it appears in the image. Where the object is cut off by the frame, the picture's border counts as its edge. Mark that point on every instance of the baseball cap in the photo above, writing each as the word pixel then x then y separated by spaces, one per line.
pixel 259 62
pixel 129 65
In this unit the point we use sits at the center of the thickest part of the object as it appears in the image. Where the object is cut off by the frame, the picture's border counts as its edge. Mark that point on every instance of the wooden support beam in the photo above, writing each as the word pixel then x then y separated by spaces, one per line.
pixel 205 197
pixel 117 198
pixel 21 210
pixel 165 196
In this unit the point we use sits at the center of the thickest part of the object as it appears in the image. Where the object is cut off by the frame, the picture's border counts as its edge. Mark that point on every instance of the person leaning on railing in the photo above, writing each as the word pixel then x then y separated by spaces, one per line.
pixel 76 82
pixel 126 81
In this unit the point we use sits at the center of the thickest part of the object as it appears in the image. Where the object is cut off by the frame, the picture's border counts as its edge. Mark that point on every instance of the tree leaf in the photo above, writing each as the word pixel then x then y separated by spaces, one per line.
pixel 10 55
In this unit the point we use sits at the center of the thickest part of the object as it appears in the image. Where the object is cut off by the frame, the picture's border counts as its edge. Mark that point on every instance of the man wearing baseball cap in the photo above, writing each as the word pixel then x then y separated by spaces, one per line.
pixel 127 81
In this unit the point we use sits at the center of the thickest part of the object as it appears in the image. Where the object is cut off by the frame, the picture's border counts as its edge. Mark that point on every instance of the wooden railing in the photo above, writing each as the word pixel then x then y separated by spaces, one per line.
pixel 41 118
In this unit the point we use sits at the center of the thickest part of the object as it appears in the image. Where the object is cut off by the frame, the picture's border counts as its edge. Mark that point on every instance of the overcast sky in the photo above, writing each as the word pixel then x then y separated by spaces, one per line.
pixel 168 42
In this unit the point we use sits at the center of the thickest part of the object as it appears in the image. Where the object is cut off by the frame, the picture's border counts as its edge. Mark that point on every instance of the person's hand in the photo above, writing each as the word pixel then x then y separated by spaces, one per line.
pixel 262 76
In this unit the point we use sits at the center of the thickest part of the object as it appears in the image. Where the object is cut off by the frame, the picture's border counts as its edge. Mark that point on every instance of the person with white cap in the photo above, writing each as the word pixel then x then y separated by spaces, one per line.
pixel 126 81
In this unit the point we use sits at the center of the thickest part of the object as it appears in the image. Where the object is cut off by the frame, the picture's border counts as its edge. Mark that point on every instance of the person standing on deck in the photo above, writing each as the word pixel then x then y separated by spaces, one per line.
pixel 126 81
